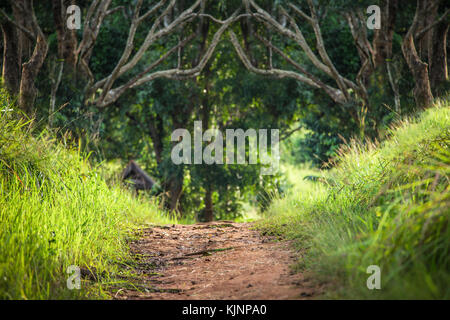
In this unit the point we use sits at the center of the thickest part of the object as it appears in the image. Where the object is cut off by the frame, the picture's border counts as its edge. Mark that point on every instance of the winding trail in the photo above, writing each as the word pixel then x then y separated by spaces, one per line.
pixel 219 260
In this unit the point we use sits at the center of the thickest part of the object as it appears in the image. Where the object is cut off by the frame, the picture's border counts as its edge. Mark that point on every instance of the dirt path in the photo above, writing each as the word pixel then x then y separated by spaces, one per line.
pixel 221 260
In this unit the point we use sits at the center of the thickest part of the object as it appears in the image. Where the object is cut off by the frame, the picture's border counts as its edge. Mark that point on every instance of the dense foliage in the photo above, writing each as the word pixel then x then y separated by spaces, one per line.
pixel 77 105
pixel 224 95
pixel 383 204
pixel 56 210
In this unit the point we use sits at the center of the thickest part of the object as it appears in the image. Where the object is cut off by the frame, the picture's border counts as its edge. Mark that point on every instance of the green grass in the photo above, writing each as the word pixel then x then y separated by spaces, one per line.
pixel 56 210
pixel 385 204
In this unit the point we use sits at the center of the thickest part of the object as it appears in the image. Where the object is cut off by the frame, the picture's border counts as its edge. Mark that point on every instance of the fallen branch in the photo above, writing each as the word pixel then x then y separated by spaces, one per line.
pixel 203 252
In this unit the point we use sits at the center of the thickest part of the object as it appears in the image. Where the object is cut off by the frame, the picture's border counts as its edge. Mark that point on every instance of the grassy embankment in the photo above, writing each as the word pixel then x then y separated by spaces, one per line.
pixel 56 210
pixel 385 204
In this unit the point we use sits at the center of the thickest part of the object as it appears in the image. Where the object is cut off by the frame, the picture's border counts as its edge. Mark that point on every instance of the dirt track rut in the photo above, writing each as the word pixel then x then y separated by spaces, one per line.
pixel 220 260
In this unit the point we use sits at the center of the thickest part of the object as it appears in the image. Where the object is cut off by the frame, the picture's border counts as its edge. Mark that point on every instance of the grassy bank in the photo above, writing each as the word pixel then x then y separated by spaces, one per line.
pixel 56 210
pixel 385 204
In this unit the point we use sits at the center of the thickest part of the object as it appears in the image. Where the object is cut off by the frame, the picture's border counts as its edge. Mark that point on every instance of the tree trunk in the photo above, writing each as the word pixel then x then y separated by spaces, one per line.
pixel 156 131
pixel 423 44
pixel 418 68
pixel 209 212
pixel 175 189
pixel 25 44
pixel 206 109
pixel 30 70
pixel 438 60
pixel 67 41
pixel 382 41
pixel 11 58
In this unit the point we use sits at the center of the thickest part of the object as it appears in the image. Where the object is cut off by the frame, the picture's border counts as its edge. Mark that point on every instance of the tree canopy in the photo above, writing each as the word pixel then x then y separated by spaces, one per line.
pixel 137 70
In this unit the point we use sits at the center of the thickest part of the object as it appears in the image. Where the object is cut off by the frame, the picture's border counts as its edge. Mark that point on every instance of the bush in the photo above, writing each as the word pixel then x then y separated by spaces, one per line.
pixel 385 204
pixel 56 210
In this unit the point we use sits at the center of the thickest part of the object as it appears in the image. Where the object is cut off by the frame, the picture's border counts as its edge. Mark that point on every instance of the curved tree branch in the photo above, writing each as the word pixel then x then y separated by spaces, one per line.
pixel 111 95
